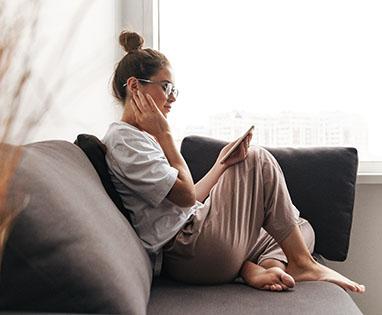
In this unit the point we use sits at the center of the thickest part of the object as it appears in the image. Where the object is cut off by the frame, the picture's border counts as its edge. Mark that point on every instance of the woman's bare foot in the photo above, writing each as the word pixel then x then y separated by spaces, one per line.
pixel 302 267
pixel 313 271
pixel 273 279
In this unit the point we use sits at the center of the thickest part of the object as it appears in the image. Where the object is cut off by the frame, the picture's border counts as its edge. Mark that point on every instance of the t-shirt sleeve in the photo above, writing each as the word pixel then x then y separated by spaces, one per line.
pixel 144 169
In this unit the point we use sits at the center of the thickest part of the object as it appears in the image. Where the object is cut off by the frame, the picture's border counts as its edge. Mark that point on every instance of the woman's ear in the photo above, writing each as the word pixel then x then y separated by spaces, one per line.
pixel 132 85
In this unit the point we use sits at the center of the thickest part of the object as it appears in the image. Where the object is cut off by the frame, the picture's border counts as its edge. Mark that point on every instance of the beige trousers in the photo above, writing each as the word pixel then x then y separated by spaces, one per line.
pixel 248 212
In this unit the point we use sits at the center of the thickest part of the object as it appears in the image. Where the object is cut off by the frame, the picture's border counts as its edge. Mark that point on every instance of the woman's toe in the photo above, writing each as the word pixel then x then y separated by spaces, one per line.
pixel 276 287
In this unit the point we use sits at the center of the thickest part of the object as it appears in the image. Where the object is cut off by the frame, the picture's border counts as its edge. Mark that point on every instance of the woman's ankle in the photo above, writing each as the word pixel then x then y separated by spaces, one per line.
pixel 270 262
pixel 302 262
pixel 296 250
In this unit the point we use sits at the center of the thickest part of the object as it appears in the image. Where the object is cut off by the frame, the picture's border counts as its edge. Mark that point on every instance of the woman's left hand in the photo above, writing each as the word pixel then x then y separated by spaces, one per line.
pixel 240 154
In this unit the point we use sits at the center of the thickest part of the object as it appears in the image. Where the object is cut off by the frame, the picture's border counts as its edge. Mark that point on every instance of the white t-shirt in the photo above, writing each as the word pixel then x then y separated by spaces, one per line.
pixel 143 177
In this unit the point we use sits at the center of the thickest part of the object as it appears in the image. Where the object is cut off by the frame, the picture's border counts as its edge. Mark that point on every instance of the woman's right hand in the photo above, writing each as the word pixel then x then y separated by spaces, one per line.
pixel 148 116
pixel 240 154
pixel 150 119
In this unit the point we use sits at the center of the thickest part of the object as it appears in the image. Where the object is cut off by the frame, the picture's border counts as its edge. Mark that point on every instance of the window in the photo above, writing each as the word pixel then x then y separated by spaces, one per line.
pixel 305 73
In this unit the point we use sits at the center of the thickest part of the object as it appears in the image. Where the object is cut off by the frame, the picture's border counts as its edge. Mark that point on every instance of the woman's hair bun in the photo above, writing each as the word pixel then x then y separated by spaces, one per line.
pixel 130 41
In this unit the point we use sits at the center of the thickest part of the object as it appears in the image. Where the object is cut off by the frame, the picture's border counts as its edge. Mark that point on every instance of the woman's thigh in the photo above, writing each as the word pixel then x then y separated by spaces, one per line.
pixel 213 246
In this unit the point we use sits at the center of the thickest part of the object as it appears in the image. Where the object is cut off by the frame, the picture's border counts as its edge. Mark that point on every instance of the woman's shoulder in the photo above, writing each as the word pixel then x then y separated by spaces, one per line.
pixel 121 126
pixel 122 133
pixel 119 129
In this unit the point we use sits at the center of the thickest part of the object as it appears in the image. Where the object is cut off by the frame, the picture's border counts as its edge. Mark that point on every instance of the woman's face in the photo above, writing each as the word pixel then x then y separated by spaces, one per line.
pixel 160 89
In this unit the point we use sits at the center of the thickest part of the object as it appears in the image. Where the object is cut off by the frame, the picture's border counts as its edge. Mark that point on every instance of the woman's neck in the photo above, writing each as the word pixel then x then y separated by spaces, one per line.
pixel 128 116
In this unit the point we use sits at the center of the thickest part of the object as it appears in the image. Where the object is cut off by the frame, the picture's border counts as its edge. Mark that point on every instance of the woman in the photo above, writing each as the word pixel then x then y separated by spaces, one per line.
pixel 237 221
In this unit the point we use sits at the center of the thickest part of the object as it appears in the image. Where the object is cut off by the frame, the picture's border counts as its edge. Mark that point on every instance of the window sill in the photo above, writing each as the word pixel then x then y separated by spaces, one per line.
pixel 369 178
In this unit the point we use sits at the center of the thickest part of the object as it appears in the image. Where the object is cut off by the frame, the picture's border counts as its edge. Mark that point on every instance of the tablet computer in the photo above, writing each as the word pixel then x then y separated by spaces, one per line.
pixel 236 145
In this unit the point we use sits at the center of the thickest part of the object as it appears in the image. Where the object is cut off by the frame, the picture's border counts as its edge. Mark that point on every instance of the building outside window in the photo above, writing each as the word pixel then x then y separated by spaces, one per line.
pixel 305 73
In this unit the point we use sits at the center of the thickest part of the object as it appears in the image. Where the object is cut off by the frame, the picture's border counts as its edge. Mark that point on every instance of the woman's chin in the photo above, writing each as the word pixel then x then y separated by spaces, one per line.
pixel 165 113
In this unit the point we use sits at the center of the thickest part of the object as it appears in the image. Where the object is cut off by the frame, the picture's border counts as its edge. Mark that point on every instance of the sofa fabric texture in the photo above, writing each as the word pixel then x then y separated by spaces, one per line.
pixel 321 182
pixel 313 298
pixel 70 250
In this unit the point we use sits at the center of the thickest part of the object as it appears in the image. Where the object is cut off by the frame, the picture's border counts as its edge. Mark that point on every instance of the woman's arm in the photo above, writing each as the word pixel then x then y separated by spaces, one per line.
pixel 150 119
pixel 183 191
pixel 204 186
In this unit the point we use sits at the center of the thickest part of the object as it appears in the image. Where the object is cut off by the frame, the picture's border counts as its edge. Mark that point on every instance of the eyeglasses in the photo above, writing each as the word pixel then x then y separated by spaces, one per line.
pixel 167 87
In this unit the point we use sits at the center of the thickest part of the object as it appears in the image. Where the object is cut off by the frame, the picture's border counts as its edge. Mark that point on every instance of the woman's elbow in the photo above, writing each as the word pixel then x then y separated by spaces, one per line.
pixel 187 199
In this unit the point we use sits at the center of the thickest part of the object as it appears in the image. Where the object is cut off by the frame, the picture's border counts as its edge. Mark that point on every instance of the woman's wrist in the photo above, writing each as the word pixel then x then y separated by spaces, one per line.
pixel 164 136
pixel 219 168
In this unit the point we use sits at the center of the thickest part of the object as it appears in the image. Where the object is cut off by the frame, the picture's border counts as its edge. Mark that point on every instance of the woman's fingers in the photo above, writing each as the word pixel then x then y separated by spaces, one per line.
pixel 137 98
pixel 245 144
pixel 146 103
pixel 143 102
pixel 250 136
pixel 136 104
pixel 152 103
pixel 240 153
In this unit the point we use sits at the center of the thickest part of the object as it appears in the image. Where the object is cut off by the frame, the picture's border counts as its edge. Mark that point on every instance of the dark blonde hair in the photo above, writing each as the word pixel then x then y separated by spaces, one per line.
pixel 138 62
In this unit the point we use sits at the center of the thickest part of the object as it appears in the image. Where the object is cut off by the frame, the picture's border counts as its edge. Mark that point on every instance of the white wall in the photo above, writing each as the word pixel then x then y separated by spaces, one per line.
pixel 76 47
pixel 83 103
pixel 364 261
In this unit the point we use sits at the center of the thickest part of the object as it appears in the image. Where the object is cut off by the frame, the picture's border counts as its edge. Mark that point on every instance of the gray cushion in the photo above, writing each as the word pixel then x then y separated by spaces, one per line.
pixel 313 298
pixel 321 182
pixel 95 150
pixel 71 250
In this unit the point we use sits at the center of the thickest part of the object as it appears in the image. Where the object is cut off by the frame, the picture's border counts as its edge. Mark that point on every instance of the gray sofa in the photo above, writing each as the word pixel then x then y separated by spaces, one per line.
pixel 73 250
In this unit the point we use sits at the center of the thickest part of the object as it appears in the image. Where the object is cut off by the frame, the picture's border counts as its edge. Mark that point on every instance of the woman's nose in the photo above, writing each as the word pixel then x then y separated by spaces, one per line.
pixel 171 98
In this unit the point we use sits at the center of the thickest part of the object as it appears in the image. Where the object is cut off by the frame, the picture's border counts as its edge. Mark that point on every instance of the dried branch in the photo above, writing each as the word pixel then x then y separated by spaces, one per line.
pixel 18 22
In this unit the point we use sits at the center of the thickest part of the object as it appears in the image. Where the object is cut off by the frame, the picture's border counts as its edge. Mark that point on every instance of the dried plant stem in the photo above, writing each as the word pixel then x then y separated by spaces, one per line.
pixel 11 88
pixel 9 160
pixel 15 76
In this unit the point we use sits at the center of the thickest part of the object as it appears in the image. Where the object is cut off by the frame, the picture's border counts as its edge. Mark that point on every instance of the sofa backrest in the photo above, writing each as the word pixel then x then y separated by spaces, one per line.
pixel 70 250
pixel 321 182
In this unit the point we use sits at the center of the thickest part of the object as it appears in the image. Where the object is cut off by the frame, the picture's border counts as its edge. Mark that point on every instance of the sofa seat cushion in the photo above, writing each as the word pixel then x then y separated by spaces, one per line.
pixel 71 250
pixel 313 298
